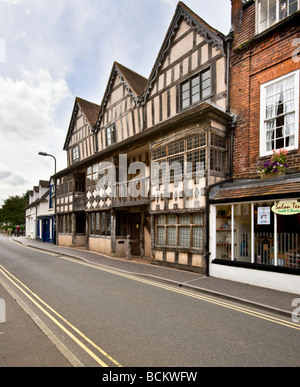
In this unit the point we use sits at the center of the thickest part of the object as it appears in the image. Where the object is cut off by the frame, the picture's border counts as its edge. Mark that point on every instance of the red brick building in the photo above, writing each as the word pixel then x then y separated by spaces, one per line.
pixel 255 222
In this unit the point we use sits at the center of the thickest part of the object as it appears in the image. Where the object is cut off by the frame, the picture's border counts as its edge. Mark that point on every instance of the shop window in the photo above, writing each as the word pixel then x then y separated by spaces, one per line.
pixel 223 233
pixel 253 233
pixel 279 114
pixel 270 12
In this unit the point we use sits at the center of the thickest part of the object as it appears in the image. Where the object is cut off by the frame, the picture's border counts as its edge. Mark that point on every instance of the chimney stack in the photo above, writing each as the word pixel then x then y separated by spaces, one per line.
pixel 236 8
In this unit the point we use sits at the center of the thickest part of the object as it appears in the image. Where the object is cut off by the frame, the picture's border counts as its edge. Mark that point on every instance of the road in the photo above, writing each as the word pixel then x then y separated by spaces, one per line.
pixel 104 317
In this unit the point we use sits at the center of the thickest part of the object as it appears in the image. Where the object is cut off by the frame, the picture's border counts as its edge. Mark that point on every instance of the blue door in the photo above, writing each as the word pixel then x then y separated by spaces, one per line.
pixel 46 230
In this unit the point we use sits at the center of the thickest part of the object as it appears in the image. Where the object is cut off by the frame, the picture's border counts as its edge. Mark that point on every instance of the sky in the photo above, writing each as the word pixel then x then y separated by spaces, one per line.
pixel 52 52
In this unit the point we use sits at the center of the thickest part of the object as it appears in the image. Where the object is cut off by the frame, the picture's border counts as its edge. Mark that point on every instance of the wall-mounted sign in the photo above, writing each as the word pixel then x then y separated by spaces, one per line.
pixel 263 215
pixel 287 208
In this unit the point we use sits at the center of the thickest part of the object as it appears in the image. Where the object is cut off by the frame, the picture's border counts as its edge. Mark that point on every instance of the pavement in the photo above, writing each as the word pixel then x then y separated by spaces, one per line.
pixel 24 344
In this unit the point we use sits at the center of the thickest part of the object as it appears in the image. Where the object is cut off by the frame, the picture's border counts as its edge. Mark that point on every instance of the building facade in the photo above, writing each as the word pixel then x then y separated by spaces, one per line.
pixel 40 213
pixel 255 217
pixel 139 162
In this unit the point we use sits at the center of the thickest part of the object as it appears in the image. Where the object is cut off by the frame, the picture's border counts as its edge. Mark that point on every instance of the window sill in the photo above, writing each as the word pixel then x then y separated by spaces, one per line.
pixel 180 249
pixel 265 33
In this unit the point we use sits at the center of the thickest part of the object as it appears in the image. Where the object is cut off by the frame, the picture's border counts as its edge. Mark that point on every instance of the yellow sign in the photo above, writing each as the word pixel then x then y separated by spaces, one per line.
pixel 287 208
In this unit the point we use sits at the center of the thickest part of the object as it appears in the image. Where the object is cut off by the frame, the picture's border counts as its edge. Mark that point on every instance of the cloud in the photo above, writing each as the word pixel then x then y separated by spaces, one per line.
pixel 27 106
pixel 11 183
pixel 52 52
pixel 28 124
pixel 11 1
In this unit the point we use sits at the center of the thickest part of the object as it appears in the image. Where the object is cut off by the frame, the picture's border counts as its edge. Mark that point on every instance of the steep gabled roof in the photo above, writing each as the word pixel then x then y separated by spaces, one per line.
pixel 133 82
pixel 89 109
pixel 44 183
pixel 196 23
pixel 138 86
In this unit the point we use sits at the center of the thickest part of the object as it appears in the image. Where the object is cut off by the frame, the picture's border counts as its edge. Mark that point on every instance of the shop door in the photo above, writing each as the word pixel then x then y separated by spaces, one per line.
pixel 135 229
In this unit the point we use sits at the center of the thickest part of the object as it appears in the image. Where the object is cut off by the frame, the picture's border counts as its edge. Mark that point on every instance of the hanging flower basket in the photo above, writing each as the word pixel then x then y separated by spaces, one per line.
pixel 275 167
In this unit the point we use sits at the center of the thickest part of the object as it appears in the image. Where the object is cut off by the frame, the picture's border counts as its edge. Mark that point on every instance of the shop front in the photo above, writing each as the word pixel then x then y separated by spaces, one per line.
pixel 256 241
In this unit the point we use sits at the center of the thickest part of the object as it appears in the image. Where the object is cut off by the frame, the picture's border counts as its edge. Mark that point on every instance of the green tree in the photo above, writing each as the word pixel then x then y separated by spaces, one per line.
pixel 13 210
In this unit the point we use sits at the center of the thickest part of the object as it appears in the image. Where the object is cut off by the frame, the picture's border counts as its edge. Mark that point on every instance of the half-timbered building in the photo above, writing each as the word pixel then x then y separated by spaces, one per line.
pixel 140 162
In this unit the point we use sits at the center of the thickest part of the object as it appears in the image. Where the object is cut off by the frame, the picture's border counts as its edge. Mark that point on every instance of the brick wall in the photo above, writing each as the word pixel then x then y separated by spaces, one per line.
pixel 259 60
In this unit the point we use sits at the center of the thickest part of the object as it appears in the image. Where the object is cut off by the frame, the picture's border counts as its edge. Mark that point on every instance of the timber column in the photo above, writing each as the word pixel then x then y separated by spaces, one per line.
pixel 113 232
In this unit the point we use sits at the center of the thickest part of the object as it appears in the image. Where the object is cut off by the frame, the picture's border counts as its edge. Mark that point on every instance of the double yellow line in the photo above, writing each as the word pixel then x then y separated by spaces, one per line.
pixel 39 302
pixel 188 293
pixel 42 305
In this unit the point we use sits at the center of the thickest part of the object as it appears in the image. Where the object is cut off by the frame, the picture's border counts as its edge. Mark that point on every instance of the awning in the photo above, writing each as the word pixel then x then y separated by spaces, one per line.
pixel 287 186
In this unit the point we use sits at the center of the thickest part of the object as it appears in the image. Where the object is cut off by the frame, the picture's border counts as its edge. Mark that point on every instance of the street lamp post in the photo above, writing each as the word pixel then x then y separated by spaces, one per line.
pixel 47 154
pixel 54 220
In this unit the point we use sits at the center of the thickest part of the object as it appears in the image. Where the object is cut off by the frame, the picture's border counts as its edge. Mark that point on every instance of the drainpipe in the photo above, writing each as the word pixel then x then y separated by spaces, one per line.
pixel 36 226
pixel 228 41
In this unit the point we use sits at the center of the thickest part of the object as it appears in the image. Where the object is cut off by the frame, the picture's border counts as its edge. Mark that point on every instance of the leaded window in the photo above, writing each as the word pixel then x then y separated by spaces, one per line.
pixel 184 230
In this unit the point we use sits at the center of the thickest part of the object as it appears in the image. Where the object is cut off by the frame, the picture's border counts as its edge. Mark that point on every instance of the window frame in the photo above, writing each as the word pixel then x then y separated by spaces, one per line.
pixel 100 224
pixel 110 135
pixel 92 176
pixel 263 118
pixel 184 229
pixel 75 153
pixel 187 150
pixel 277 15
pixel 190 89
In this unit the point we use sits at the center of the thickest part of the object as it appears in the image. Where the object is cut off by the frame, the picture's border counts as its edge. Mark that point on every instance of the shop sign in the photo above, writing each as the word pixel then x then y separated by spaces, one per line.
pixel 263 215
pixel 287 208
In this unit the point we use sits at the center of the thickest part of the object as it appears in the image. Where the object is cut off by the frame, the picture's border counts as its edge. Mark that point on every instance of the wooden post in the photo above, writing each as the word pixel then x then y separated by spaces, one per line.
pixel 73 225
pixel 113 232
pixel 142 235
pixel 87 230
pixel 152 226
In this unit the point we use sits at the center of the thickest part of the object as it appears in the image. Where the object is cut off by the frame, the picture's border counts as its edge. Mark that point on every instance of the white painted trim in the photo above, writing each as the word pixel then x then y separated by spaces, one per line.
pixel 262 141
